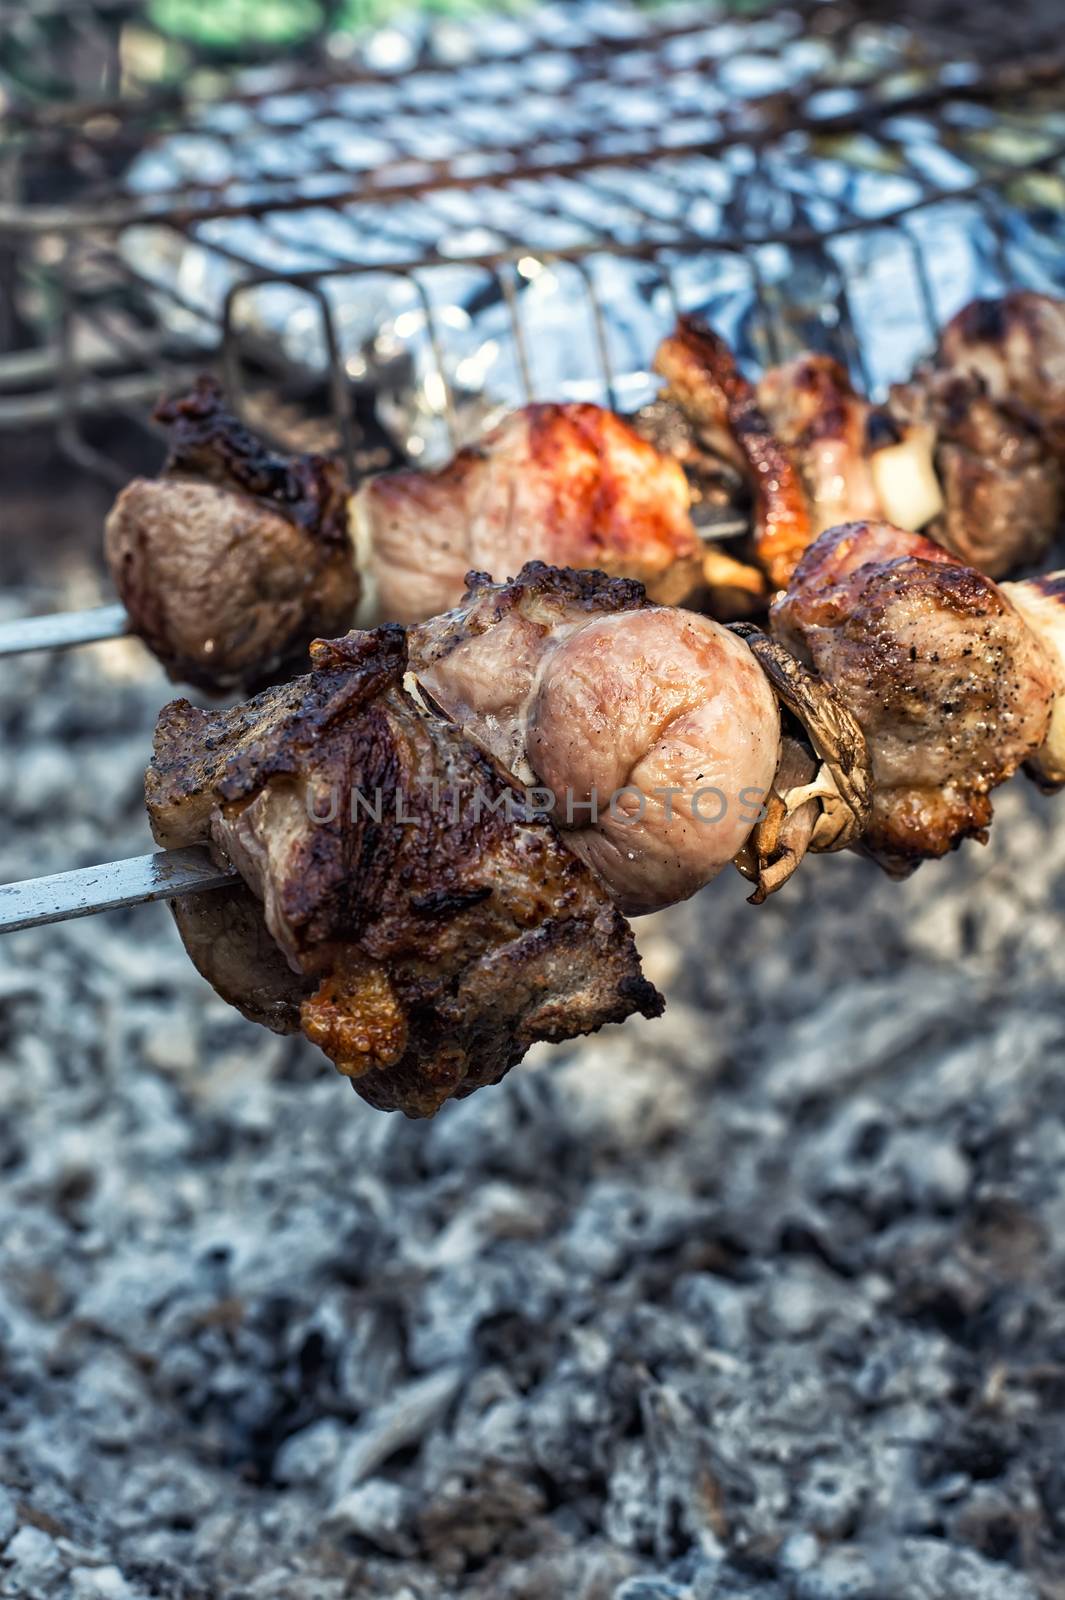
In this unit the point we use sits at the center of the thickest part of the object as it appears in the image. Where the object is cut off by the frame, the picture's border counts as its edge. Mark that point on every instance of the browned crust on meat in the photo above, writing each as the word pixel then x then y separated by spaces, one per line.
pixel 991 321
pixel 1009 336
pixel 235 558
pixel 433 939
pixel 983 320
pixel 624 532
pixel 572 484
pixel 978 711
pixel 824 578
pixel 540 593
pixel 824 384
pixel 1003 486
pixel 592 592
pixel 705 381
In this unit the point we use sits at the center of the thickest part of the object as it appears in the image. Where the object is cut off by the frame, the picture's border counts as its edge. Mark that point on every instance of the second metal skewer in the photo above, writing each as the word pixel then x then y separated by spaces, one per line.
pixel 62 630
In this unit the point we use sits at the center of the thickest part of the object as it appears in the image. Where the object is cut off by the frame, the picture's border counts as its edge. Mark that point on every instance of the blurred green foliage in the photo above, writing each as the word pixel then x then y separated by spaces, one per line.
pixel 231 25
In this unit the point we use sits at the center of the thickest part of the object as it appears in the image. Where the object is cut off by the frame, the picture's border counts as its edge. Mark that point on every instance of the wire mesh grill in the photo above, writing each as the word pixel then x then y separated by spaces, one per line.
pixel 525 218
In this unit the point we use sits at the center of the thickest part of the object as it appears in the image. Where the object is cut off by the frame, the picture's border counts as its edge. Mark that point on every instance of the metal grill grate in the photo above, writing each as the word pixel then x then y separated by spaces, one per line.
pixel 804 176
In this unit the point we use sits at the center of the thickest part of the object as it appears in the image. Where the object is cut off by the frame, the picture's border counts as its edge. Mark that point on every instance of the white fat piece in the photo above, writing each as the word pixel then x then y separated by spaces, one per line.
pixel 906 481
pixel 1041 602
pixel 360 532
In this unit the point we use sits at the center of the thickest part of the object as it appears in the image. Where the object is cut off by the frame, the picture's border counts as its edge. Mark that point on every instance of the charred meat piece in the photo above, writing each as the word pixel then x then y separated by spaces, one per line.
pixel 654 732
pixel 395 905
pixel 235 558
pixel 572 485
pixel 1016 344
pixel 951 688
pixel 1003 486
pixel 704 381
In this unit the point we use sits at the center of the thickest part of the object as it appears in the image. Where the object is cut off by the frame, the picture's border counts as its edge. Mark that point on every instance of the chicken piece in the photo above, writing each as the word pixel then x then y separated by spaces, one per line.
pixel 1003 487
pixel 235 558
pixel 703 379
pixel 1016 344
pixel 951 688
pixel 396 905
pixel 653 731
pixel 815 413
pixel 572 485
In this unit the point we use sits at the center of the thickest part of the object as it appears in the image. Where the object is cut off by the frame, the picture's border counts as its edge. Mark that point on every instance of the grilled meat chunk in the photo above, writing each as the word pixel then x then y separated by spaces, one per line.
pixel 573 485
pixel 395 905
pixel 1016 344
pixel 857 463
pixel 815 413
pixel 951 688
pixel 481 661
pixel 1003 486
pixel 703 380
pixel 950 453
pixel 654 731
pixel 235 558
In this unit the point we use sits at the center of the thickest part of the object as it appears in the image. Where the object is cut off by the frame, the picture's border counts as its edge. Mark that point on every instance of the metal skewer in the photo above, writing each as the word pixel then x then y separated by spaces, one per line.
pixel 62 630
pixel 38 901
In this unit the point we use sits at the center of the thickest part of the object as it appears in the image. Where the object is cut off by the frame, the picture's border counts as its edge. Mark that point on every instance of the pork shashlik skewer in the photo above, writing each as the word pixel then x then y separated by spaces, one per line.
pixel 236 557
pixel 427 883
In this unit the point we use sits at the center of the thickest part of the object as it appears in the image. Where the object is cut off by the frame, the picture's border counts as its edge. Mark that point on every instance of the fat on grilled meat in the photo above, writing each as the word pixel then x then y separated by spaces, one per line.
pixel 1003 487
pixel 1016 344
pixel 572 485
pixel 654 729
pixel 235 557
pixel 423 936
pixel 951 687
pixel 703 381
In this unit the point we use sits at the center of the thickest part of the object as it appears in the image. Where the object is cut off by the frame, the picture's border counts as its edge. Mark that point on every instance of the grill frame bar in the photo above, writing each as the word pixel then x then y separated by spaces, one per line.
pixel 132 362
